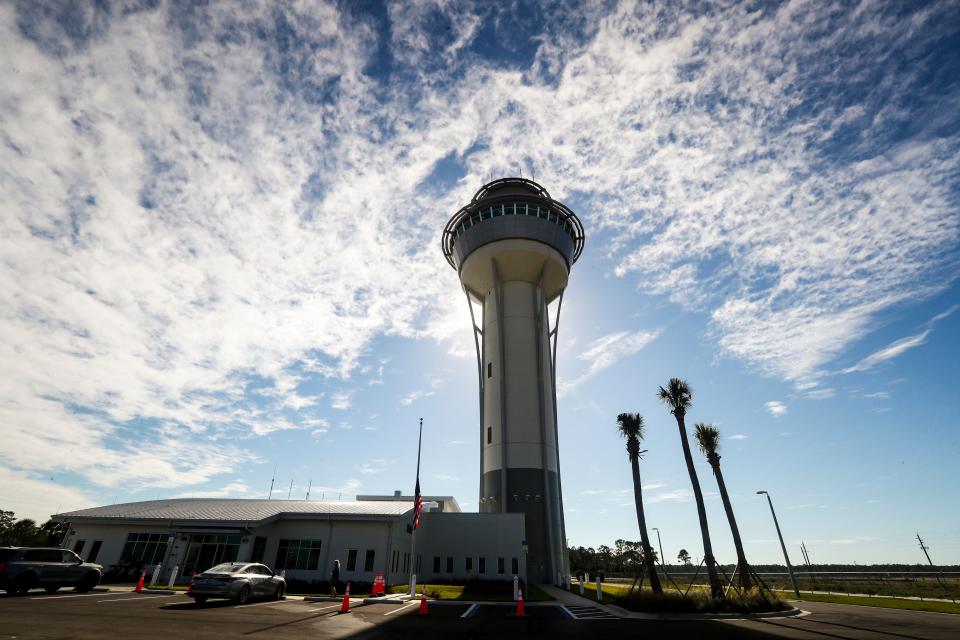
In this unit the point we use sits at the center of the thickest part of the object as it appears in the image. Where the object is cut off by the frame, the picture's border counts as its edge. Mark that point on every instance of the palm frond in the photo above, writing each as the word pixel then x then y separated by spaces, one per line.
pixel 677 394
pixel 631 425
pixel 707 437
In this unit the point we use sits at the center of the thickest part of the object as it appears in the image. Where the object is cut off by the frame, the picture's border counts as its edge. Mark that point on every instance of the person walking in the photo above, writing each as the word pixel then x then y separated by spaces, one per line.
pixel 334 578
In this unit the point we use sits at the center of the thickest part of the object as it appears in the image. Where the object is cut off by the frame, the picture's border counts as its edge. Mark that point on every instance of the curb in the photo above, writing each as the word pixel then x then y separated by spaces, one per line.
pixel 637 615
pixel 160 592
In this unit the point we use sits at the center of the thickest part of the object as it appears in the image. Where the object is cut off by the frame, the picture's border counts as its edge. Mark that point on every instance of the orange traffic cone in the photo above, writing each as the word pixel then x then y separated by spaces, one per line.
pixel 140 581
pixel 345 606
pixel 190 585
pixel 423 604
pixel 520 611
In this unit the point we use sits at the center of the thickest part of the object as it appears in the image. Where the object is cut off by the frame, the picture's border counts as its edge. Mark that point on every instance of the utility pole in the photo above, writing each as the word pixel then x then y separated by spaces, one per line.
pixel 793 579
pixel 925 548
pixel 309 486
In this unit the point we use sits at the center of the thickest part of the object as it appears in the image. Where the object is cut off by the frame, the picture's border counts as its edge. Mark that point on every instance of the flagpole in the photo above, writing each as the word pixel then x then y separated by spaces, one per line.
pixel 413 528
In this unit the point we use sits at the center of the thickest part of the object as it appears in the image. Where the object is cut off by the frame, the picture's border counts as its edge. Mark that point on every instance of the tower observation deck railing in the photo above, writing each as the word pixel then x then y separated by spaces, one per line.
pixel 469 227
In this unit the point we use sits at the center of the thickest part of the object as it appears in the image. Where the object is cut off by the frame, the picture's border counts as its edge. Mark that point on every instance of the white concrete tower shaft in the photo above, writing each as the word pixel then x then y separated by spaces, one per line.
pixel 513 247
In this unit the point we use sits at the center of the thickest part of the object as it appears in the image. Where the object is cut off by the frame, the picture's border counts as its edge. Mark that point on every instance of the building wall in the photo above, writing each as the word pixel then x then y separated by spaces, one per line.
pixel 474 535
pixel 453 535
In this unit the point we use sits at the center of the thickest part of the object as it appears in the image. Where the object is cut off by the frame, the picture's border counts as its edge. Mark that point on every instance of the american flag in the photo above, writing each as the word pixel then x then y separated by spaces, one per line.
pixel 417 504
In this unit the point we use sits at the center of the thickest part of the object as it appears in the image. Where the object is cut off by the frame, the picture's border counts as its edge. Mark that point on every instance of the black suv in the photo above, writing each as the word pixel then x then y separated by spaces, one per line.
pixel 24 568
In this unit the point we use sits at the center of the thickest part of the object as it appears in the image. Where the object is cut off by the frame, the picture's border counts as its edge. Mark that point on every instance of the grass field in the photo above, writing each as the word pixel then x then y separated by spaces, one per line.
pixel 887 603
pixel 910 587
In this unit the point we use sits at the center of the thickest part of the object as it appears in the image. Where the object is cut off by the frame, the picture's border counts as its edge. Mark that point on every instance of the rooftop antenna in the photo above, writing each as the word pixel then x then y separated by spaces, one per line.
pixel 308 489
pixel 270 495
pixel 290 490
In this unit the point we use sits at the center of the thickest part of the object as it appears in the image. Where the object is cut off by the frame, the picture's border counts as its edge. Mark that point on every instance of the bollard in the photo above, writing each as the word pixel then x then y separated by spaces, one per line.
pixel 173 575
pixel 413 585
pixel 155 578
pixel 599 591
pixel 581 581
pixel 516 587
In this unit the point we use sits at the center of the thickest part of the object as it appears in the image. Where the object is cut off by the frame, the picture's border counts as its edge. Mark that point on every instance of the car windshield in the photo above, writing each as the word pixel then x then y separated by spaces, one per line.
pixel 226 567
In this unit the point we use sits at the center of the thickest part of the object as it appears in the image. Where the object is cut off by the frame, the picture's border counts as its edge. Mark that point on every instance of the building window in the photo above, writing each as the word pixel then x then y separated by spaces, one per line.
pixel 515 567
pixel 469 565
pixel 205 551
pixel 352 560
pixel 147 548
pixel 482 565
pixel 95 550
pixel 78 548
pixel 500 566
pixel 489 435
pixel 368 561
pixel 297 554
pixel 406 563
pixel 449 564
pixel 436 564
pixel 489 369
pixel 259 548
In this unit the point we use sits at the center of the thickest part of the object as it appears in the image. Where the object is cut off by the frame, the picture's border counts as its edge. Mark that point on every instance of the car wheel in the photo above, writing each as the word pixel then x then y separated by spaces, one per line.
pixel 199 599
pixel 24 584
pixel 278 594
pixel 244 595
pixel 87 583
pixel 52 588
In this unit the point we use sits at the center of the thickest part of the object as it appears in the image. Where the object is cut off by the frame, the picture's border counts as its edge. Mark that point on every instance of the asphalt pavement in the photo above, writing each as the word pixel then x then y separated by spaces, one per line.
pixel 118 614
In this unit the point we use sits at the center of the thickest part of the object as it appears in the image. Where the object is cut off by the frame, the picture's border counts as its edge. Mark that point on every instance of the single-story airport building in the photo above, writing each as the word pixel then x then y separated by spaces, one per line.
pixel 368 535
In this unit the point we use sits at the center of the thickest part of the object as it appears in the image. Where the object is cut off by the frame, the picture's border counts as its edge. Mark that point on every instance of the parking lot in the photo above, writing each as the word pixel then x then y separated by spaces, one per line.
pixel 122 614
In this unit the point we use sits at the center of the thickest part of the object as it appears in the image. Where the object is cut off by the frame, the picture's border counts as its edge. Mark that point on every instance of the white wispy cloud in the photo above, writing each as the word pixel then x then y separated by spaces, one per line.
pixel 775 408
pixel 413 396
pixel 889 352
pixel 738 436
pixel 606 351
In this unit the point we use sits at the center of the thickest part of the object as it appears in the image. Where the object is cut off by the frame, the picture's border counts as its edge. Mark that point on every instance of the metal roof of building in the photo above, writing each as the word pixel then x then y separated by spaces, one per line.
pixel 236 510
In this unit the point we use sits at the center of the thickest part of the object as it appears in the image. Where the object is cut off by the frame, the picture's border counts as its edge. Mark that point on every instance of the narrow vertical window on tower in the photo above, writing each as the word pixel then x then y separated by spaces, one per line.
pixel 489 369
pixel 489 435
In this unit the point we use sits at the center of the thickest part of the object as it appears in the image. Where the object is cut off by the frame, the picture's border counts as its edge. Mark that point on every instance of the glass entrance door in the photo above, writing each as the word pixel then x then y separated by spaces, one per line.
pixel 205 551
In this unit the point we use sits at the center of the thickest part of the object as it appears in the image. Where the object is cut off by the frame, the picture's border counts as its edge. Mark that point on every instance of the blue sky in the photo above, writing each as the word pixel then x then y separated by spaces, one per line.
pixel 220 253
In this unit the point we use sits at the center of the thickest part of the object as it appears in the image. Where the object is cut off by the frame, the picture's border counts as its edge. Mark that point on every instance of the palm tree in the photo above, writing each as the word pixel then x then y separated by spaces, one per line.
pixel 708 439
pixel 679 397
pixel 631 427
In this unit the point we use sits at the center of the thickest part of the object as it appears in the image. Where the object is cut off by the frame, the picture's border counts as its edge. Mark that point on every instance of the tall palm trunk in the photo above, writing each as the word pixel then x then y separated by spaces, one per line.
pixel 642 522
pixel 715 589
pixel 742 566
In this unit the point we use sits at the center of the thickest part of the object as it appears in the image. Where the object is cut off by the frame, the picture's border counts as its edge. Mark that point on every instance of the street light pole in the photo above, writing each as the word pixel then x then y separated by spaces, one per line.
pixel 793 579
pixel 659 544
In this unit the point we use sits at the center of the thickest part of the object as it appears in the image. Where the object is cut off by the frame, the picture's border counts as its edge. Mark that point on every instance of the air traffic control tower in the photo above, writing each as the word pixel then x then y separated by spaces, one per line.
pixel 513 247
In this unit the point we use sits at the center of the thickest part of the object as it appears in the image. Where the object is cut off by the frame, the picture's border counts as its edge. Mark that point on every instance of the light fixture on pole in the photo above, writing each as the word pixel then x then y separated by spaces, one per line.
pixel 793 579
pixel 659 544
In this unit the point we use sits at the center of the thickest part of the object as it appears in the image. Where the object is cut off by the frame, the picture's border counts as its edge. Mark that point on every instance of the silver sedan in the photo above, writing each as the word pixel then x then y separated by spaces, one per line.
pixel 238 581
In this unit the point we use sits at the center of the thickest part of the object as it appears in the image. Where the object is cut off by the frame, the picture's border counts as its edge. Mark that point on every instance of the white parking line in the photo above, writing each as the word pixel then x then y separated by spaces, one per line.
pixel 336 606
pixel 471 611
pixel 406 606
pixel 174 595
